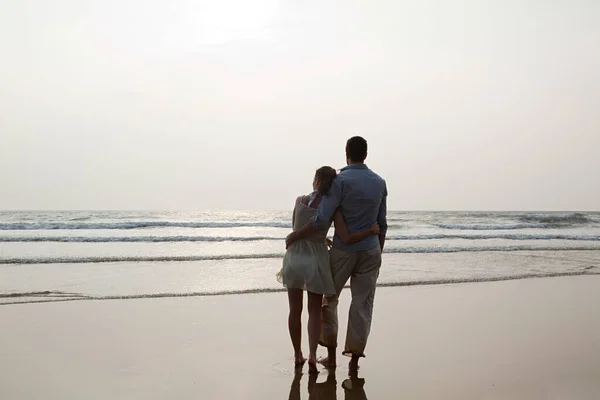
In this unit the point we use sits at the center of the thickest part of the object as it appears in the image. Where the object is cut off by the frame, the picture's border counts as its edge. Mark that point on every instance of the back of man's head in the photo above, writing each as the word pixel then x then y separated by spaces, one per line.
pixel 356 149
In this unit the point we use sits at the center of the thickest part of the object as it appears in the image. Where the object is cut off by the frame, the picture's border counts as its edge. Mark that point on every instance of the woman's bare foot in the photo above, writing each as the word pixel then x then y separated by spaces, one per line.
pixel 299 360
pixel 312 366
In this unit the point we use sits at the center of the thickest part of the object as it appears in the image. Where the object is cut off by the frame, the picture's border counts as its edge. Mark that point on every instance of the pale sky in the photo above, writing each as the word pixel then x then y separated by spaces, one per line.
pixel 232 104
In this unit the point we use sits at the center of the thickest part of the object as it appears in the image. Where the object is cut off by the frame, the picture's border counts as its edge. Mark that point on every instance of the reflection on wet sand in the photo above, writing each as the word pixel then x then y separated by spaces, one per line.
pixel 354 388
pixel 327 390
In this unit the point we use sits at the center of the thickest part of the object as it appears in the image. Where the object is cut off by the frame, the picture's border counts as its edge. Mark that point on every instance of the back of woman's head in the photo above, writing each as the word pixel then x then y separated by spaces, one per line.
pixel 324 179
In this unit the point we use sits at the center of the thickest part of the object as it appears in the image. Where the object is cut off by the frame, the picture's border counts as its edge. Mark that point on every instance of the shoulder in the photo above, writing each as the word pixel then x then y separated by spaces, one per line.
pixel 383 183
pixel 304 199
pixel 380 180
pixel 376 176
pixel 340 177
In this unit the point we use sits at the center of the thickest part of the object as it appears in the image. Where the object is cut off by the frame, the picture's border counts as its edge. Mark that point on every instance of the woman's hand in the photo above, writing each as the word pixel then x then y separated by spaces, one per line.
pixel 375 229
pixel 329 242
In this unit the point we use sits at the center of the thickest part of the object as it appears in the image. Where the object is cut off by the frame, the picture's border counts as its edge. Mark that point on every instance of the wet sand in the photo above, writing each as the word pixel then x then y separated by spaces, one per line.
pixel 523 339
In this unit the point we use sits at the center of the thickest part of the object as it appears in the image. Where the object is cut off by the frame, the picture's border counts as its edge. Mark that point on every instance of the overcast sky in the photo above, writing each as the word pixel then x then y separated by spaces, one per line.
pixel 232 104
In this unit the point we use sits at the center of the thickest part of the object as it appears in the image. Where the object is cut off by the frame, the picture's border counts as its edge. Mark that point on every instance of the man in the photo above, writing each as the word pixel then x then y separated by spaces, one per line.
pixel 361 195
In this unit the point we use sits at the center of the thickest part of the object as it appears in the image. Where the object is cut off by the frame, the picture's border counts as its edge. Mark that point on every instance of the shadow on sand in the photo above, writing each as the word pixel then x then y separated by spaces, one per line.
pixel 327 390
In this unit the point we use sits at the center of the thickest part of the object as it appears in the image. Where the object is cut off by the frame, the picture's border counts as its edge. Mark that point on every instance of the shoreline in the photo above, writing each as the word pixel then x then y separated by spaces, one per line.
pixel 59 297
pixel 519 339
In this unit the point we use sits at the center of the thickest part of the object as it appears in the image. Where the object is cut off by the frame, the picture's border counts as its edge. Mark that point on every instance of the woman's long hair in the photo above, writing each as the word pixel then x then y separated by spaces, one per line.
pixel 325 176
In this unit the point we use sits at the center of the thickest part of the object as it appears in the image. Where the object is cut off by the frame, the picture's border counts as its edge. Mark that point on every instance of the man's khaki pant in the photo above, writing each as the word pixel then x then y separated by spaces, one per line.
pixel 362 268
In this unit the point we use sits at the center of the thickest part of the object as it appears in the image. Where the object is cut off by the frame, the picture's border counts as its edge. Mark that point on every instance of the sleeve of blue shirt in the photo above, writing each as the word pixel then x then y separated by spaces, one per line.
pixel 328 205
pixel 382 215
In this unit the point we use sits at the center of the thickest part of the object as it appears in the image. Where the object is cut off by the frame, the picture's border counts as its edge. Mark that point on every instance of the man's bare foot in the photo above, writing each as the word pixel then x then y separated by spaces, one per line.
pixel 327 362
pixel 299 360
pixel 312 366
pixel 353 365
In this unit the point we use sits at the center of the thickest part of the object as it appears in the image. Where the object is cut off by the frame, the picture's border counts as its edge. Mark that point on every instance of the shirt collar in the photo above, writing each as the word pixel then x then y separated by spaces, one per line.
pixel 355 166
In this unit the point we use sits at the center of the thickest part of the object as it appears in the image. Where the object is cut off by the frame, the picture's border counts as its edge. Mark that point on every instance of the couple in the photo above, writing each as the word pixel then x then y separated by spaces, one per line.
pixel 355 201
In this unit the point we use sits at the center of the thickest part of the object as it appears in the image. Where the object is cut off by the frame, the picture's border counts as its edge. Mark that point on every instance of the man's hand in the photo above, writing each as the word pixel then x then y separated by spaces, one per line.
pixel 329 242
pixel 375 229
pixel 290 239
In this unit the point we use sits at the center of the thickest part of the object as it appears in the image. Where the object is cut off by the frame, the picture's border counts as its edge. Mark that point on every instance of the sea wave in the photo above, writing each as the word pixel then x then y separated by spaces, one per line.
pixel 486 227
pixel 466 221
pixel 50 296
pixel 134 239
pixel 556 219
pixel 476 249
pixel 110 259
pixel 180 238
pixel 17 226
pixel 529 220
pixel 167 258
pixel 507 236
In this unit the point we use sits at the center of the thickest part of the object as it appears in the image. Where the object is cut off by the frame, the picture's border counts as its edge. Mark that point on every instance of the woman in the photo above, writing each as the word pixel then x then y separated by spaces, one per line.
pixel 306 267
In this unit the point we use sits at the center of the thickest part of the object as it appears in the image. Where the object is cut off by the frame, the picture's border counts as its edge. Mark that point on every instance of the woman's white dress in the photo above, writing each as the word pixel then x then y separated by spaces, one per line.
pixel 306 262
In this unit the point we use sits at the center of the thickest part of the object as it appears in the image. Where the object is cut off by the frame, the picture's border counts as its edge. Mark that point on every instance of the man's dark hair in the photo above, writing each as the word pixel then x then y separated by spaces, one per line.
pixel 356 149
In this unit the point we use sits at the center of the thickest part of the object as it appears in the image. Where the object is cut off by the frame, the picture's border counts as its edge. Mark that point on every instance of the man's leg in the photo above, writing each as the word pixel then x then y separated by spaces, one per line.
pixel 362 284
pixel 342 264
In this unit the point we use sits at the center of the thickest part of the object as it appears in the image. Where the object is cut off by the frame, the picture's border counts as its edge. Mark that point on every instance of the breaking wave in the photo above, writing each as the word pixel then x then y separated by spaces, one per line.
pixel 502 221
pixel 527 221
pixel 484 227
pixel 556 219
pixel 18 226
pixel 159 239
pixel 134 239
pixel 167 258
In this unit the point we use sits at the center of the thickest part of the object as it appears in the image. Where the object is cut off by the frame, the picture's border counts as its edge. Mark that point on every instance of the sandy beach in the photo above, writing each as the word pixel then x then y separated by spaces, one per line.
pixel 522 339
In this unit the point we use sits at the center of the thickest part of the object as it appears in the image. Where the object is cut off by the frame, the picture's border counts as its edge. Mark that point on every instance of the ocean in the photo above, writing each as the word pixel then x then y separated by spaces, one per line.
pixel 81 255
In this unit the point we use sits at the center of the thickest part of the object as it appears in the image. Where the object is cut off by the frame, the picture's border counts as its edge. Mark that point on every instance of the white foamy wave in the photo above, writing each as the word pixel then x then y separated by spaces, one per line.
pixel 512 221
pixel 472 249
pixel 138 224
pixel 166 239
pixel 487 227
pixel 556 219
pixel 508 236
pixel 133 239
pixel 167 258
pixel 111 259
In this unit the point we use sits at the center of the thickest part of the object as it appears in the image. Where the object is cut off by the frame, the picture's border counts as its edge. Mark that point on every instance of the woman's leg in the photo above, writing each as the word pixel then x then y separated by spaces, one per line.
pixel 314 328
pixel 295 298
